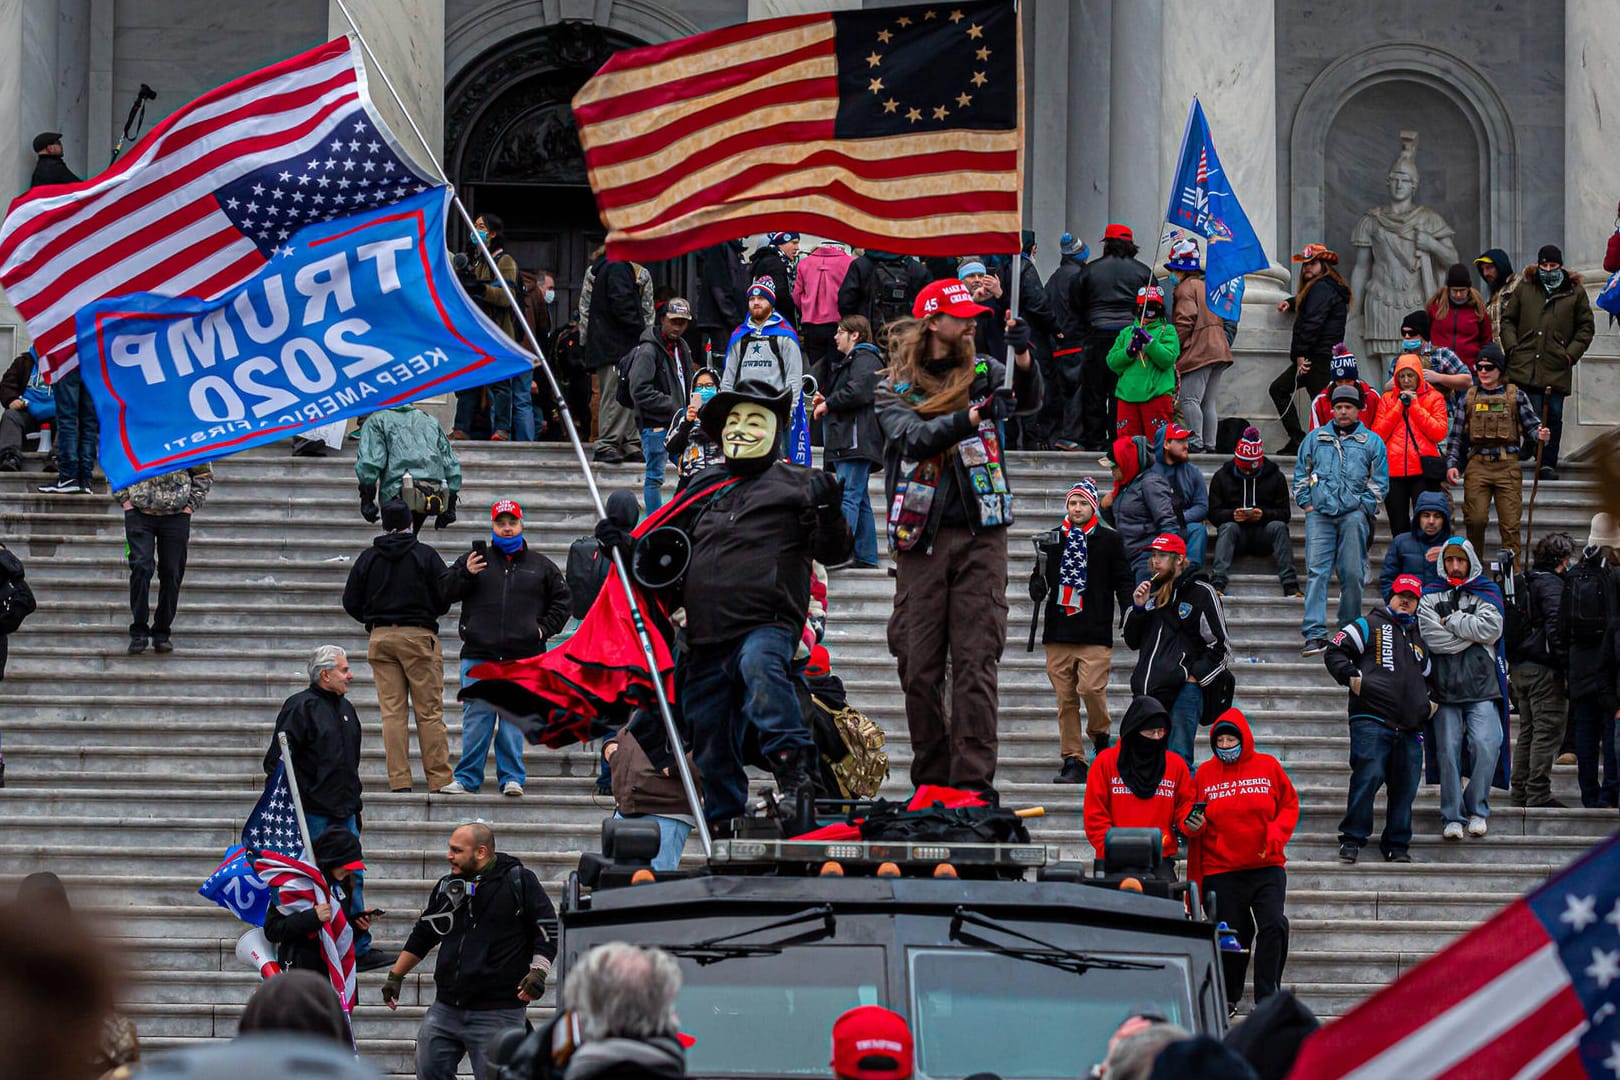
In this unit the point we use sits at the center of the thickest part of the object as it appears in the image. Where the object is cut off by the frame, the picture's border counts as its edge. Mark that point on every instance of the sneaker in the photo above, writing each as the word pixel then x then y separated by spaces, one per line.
pixel 512 788
pixel 162 645
pixel 1452 831
pixel 1397 856
pixel 459 436
pixel 137 644
pixel 1068 446
pixel 10 461
pixel 374 959
pixel 61 487
pixel 83 488
pixel 1314 647
pixel 1291 591
pixel 1349 852
pixel 1477 826
pixel 453 788
pixel 1073 772
pixel 1562 759
pixel 501 436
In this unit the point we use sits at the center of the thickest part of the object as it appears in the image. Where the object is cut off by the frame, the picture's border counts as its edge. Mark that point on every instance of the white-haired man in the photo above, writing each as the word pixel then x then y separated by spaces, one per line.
pixel 624 996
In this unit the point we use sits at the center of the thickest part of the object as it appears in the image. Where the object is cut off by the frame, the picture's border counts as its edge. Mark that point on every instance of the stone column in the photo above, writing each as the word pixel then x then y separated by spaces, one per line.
pixel 1135 86
pixel 1089 78
pixel 407 37
pixel 1047 109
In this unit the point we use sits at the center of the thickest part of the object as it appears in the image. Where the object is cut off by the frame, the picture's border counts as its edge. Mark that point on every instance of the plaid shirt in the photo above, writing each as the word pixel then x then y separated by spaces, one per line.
pixel 1458 436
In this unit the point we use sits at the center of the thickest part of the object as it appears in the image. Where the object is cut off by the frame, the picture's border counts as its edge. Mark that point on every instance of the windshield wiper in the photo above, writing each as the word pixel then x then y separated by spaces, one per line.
pixel 715 949
pixel 1044 953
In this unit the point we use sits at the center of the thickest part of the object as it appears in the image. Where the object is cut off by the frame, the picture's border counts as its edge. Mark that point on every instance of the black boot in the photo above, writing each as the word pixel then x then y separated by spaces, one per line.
pixel 1073 772
pixel 796 791
pixel 1100 743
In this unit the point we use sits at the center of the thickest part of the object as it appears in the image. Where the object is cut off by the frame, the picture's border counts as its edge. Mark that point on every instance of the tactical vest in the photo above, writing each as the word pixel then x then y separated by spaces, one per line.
pixel 1493 419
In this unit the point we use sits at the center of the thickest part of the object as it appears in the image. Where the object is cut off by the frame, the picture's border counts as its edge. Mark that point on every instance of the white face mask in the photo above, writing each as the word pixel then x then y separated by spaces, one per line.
pixel 551 296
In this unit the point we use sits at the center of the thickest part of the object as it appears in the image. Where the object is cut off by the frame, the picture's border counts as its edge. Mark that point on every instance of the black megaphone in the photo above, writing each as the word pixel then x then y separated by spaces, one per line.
pixel 659 559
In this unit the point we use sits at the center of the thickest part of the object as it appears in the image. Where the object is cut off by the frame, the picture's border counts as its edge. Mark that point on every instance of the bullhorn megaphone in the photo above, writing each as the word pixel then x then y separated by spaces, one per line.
pixel 660 558
pixel 254 950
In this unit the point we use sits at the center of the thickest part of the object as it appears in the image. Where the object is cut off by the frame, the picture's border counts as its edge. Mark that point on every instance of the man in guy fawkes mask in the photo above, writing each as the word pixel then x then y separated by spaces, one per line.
pixel 747 591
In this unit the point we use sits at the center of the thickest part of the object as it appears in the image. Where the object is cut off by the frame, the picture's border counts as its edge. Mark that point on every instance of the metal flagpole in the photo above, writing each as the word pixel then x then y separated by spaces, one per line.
pixel 292 789
pixel 636 618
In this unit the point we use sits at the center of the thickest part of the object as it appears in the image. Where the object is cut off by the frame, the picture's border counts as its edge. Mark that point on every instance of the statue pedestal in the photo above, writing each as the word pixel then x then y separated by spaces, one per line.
pixel 1258 354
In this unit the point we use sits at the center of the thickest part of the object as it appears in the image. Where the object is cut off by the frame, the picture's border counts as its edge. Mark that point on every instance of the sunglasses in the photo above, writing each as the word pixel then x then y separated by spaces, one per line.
pixel 1486 367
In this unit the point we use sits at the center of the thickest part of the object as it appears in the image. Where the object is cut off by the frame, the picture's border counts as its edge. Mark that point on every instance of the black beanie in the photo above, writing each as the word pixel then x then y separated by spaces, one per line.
pixel 396 516
pixel 1458 277
pixel 1550 253
pixel 1270 1039
pixel 1418 322
pixel 335 847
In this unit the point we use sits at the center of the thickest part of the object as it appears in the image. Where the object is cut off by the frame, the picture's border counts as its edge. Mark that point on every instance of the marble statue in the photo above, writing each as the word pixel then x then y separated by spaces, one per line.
pixel 1402 253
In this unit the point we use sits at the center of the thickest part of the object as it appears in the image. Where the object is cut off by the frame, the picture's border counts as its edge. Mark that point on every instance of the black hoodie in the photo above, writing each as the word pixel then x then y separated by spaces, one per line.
pixel 396 582
pixel 294 935
pixel 1141 760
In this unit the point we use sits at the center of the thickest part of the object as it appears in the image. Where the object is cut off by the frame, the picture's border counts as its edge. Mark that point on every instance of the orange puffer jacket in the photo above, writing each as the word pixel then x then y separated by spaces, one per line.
pixel 1411 432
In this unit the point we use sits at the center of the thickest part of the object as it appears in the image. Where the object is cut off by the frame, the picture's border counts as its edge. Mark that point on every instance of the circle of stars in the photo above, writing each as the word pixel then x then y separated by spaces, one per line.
pixel 886 37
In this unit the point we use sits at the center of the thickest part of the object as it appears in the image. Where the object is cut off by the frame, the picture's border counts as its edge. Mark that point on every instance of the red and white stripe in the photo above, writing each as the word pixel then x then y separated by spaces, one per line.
pixel 150 223
pixel 1496 1003
pixel 300 887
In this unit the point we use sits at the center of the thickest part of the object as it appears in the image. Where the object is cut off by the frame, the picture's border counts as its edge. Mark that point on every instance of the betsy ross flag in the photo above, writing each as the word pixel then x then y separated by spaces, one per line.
pixel 898 129
pixel 299 887
pixel 206 198
pixel 1534 992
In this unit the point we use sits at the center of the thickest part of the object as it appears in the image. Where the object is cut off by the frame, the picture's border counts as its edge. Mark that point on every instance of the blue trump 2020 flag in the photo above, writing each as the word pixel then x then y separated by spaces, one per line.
pixel 1202 201
pixel 235 887
pixel 352 315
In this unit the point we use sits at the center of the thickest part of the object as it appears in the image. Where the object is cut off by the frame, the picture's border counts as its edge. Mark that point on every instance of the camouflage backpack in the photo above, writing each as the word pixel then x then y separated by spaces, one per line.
pixel 865 765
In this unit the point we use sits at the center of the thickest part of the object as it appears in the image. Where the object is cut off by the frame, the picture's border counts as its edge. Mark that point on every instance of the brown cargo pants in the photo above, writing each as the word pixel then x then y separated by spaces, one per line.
pixel 1079 673
pixel 407 663
pixel 1502 480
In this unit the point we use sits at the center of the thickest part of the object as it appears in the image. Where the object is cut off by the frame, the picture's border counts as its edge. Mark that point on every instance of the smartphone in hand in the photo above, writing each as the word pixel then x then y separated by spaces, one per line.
pixel 481 548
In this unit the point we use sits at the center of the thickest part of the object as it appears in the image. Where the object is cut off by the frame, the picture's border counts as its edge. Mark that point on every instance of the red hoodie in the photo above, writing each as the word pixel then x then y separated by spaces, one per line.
pixel 1110 803
pixel 1253 808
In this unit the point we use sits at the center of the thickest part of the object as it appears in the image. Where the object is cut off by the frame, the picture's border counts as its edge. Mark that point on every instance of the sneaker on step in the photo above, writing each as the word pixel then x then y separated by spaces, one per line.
pixel 61 487
pixel 1477 826
pixel 1314 647
pixel 137 644
pixel 453 788
pixel 512 788
pixel 1397 856
pixel 1349 852
pixel 1452 831
pixel 374 959
pixel 1073 772
pixel 1562 759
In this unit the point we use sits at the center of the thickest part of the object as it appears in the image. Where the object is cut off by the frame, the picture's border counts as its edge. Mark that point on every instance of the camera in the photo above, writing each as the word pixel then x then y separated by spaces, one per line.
pixel 1407 397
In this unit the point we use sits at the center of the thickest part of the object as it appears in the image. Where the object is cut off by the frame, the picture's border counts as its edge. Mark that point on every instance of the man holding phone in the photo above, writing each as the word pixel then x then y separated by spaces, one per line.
pixel 512 599
pixel 1249 507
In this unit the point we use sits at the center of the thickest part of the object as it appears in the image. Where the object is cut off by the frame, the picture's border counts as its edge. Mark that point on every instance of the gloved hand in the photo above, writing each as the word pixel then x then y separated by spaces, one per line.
pixel 610 535
pixel 1407 397
pixel 1000 406
pixel 1017 336
pixel 1139 340
pixel 1037 589
pixel 368 503
pixel 826 489
pixel 391 988
pixel 533 986
pixel 449 515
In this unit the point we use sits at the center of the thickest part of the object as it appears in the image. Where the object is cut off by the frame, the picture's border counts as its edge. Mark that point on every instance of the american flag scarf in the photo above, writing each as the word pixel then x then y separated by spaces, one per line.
pixel 1072 570
pixel 300 887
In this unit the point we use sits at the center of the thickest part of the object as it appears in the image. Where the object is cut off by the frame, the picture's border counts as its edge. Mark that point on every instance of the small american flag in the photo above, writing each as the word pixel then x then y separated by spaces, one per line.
pixel 299 887
pixel 895 128
pixel 273 824
pixel 206 199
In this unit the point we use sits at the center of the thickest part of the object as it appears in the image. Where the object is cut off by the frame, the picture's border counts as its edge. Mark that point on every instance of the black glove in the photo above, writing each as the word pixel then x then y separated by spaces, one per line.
pixel 1037 587
pixel 1000 405
pixel 391 987
pixel 368 503
pixel 1407 397
pixel 611 536
pixel 1017 336
pixel 826 489
pixel 534 984
pixel 449 515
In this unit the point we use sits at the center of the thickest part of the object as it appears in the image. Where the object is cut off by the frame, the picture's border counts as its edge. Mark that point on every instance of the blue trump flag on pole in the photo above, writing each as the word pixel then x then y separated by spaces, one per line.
pixel 1202 202
pixel 351 316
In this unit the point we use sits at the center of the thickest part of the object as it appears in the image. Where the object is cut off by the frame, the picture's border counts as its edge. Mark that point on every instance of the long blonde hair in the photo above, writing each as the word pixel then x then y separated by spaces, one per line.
pixel 1162 593
pixel 933 395
pixel 1441 302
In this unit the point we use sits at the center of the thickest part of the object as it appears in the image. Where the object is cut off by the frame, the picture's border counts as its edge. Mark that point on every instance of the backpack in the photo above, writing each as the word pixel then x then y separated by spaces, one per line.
pixel 621 392
pixel 864 765
pixel 1609 298
pixel 893 823
pixel 889 300
pixel 16 598
pixel 1588 601
pixel 1518 621
pixel 586 573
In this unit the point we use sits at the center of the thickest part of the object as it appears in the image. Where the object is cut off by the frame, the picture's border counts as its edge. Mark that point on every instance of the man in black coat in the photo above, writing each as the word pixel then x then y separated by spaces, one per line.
pixel 512 599
pixel 1588 629
pixel 1104 299
pixel 610 322
pixel 660 367
pixel 495 928
pixel 774 259
pixel 1249 505
pixel 50 168
pixel 881 286
pixel 395 590
pixel 1081 572
pixel 1321 307
pixel 722 281
pixel 1536 662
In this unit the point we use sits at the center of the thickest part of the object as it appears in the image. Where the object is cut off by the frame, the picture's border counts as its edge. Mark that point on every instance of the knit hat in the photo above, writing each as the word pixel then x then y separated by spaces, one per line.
pixel 1343 364
pixel 1550 253
pixel 763 286
pixel 1169 542
pixel 1270 1038
pixel 1149 294
pixel 1604 532
pixel 1457 277
pixel 396 516
pixel 1183 257
pixel 1419 323
pixel 1069 244
pixel 1117 231
pixel 338 849
pixel 1251 449
pixel 820 662
pixel 777 239
pixel 1351 394
pixel 1087 488
pixel 969 266
pixel 1027 237
pixel 870 1042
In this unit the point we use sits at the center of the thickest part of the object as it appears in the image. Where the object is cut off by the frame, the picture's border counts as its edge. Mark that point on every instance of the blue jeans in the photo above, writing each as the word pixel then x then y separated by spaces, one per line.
pixel 1197 538
pixel 653 453
pixel 729 686
pixel 479 727
pixel 522 408
pixel 449 1034
pixel 1185 712
pixel 77 429
pixel 858 508
pixel 1481 724
pixel 1381 756
pixel 319 823
pixel 672 836
pixel 1334 543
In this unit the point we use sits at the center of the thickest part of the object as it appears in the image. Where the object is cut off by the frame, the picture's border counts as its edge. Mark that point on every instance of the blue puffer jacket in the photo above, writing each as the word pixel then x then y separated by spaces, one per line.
pixel 1338 473
pixel 1186 483
pixel 1408 552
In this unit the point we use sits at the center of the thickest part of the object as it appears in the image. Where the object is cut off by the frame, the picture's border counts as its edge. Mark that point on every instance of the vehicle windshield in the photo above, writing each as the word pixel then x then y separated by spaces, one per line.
pixel 773 1014
pixel 974 1011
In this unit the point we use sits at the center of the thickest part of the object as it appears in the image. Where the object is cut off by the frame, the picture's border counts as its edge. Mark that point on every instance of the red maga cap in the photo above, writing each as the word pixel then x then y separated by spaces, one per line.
pixel 1169 542
pixel 1176 431
pixel 870 1042
pixel 1407 583
pixel 1117 231
pixel 947 296
pixel 506 506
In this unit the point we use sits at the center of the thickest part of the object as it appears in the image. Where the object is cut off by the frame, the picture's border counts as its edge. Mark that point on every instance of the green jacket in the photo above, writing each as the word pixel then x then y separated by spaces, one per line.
pixel 1153 374
pixel 1545 336
pixel 403 440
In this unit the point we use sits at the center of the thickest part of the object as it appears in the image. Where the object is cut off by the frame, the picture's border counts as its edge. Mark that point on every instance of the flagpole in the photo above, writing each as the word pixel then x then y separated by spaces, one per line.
pixel 681 766
pixel 292 789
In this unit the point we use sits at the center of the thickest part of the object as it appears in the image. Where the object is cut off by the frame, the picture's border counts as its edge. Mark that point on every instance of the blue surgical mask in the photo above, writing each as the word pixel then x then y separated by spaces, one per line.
pixel 1230 755
pixel 706 393
pixel 551 296
pixel 508 545
pixel 1411 344
pixel 483 234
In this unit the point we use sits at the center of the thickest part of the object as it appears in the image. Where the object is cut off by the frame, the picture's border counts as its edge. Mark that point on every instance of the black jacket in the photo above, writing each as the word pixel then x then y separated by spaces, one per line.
pixel 1034 307
pixel 851 431
pixel 658 379
pixel 1184 639
pixel 614 320
pixel 1319 321
pixel 769 262
pixel 751 552
pixel 1393 665
pixel 1108 579
pixel 1060 289
pixel 511 607
pixel 396 582
pixel 1105 298
pixel 492 938
pixel 323 732
pixel 856 294
pixel 1266 490
pixel 50 169
pixel 1593 665
pixel 722 282
pixel 15 380
pixel 293 935
pixel 1542 593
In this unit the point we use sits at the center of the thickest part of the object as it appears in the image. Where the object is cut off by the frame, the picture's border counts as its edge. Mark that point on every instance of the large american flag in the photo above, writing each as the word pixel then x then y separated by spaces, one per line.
pixel 1534 992
pixel 206 198
pixel 300 887
pixel 273 824
pixel 894 128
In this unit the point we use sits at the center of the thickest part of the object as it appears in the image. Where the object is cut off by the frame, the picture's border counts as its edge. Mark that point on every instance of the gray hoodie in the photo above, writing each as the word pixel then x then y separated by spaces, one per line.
pixel 1461 630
